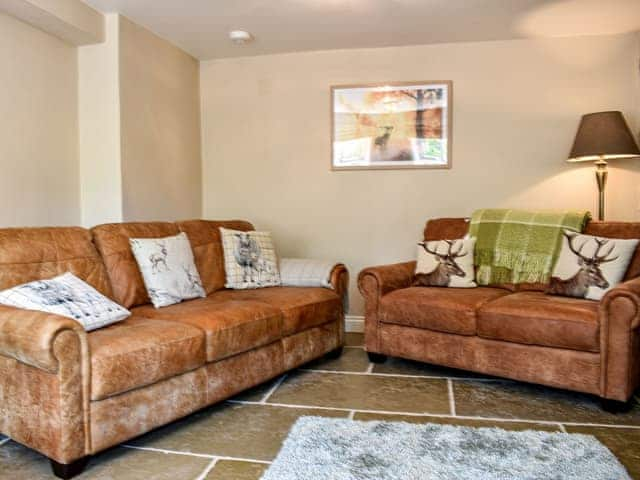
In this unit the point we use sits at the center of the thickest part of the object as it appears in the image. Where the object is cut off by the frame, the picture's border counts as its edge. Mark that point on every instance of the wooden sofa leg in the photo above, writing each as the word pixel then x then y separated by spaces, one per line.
pixel 376 357
pixel 615 406
pixel 333 354
pixel 69 470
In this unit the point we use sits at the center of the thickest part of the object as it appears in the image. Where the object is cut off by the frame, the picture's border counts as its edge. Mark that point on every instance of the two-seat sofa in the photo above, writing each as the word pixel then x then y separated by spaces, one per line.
pixel 69 394
pixel 511 331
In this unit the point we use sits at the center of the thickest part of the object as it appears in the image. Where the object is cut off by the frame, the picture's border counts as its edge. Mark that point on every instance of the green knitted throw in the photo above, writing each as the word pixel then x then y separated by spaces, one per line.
pixel 520 246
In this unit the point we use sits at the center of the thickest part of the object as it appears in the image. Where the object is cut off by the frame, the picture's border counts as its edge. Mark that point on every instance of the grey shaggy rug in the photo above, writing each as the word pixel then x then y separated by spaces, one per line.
pixel 339 449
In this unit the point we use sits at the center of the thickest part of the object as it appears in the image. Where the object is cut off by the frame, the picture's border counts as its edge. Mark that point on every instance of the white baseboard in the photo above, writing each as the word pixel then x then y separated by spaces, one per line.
pixel 354 323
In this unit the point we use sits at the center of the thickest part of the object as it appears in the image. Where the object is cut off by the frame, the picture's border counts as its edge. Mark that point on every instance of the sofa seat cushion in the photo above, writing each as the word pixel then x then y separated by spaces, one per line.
pixel 450 310
pixel 302 307
pixel 230 326
pixel 534 318
pixel 139 352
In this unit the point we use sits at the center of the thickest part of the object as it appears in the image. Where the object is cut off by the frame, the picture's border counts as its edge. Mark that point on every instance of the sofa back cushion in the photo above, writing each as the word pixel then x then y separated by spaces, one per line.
pixel 451 228
pixel 29 254
pixel 207 248
pixel 623 230
pixel 112 241
pixel 446 228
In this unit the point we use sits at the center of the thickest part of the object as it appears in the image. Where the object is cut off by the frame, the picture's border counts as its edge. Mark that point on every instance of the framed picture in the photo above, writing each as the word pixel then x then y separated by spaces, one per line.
pixel 391 126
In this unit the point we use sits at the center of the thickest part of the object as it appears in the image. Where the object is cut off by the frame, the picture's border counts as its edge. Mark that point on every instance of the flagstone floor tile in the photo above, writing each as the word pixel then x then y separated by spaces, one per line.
pixel 231 430
pixel 351 360
pixel 232 470
pixel 364 392
pixel 532 402
pixel 21 463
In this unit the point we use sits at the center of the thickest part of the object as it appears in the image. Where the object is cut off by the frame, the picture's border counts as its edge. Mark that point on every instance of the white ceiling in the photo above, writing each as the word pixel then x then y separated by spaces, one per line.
pixel 201 26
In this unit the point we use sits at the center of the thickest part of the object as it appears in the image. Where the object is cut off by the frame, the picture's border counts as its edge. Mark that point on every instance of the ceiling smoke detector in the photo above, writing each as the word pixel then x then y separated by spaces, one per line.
pixel 240 37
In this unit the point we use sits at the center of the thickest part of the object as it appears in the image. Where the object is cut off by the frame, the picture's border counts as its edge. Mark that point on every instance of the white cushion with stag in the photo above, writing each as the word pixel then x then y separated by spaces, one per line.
pixel 446 263
pixel 68 296
pixel 168 269
pixel 250 259
pixel 589 266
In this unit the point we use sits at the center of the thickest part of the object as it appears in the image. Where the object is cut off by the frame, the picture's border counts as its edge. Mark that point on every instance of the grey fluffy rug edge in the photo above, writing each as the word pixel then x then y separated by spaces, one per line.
pixel 322 448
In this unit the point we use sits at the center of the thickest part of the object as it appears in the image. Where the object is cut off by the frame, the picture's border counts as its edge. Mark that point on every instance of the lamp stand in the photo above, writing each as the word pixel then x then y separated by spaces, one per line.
pixel 601 178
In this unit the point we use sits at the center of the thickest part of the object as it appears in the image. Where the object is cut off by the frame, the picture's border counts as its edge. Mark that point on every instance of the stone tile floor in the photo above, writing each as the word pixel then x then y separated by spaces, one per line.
pixel 236 440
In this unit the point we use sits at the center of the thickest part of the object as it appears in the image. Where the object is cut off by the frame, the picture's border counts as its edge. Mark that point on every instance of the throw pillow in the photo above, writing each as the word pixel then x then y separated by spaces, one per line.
pixel 445 263
pixel 168 269
pixel 250 259
pixel 68 296
pixel 588 266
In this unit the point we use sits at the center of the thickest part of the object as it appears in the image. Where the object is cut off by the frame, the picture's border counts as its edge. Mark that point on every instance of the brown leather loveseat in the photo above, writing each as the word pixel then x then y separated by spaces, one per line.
pixel 70 394
pixel 517 332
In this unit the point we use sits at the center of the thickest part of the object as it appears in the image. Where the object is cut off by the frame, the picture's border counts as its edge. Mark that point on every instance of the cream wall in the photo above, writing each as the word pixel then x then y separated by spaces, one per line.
pixel 636 73
pixel 99 109
pixel 266 141
pixel 100 133
pixel 160 128
pixel 39 134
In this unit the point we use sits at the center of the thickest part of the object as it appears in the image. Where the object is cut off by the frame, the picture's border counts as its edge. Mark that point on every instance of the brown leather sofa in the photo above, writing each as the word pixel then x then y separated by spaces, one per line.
pixel 511 331
pixel 69 394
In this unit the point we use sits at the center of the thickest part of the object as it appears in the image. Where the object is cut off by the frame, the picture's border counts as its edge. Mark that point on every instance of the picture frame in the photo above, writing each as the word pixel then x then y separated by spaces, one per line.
pixel 389 126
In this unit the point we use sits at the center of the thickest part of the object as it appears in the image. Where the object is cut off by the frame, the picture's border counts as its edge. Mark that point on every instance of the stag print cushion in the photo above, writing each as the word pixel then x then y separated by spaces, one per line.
pixel 68 296
pixel 250 259
pixel 168 269
pixel 588 266
pixel 445 263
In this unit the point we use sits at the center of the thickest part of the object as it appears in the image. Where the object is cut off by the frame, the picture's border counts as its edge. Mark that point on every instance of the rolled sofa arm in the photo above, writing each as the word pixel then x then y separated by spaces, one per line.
pixel 383 279
pixel 625 300
pixel 46 366
pixel 340 280
pixel 29 336
pixel 373 283
pixel 619 315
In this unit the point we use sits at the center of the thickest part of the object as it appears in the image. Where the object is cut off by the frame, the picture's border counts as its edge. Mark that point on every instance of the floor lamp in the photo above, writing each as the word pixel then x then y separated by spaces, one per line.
pixel 603 136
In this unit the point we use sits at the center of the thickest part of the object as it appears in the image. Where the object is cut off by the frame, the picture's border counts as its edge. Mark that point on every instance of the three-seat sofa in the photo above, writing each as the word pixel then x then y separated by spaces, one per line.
pixel 69 394
pixel 513 331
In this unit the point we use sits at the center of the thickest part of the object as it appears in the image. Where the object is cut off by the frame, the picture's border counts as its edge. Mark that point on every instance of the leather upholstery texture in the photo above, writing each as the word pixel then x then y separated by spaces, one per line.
pixel 301 307
pixel 521 333
pixel 535 318
pixel 67 393
pixel 48 411
pixel 112 241
pixel 204 236
pixel 138 352
pixel 28 254
pixel 619 230
pixel 230 327
pixel 555 367
pixel 441 309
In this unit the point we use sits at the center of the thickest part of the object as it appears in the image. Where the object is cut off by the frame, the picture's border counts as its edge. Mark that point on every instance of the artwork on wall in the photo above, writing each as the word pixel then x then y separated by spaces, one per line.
pixel 391 126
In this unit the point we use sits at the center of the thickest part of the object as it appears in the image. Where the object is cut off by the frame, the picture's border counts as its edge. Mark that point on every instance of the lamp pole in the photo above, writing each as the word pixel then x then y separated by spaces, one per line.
pixel 601 178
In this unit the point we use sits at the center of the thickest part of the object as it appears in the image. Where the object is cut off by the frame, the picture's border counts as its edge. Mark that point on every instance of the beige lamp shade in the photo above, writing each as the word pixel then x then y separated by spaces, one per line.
pixel 603 136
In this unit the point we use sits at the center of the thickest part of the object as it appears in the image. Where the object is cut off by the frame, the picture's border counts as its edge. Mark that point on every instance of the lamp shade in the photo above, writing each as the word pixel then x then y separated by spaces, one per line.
pixel 603 136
